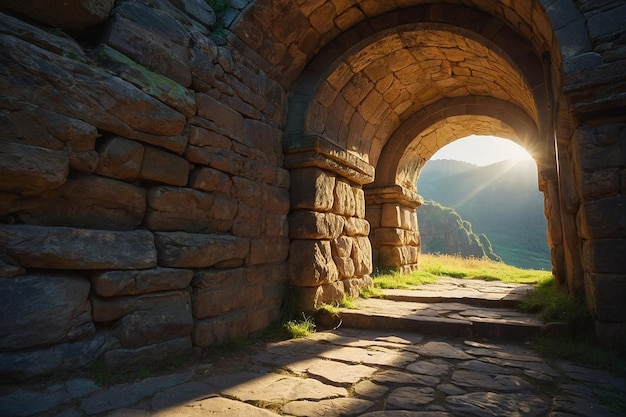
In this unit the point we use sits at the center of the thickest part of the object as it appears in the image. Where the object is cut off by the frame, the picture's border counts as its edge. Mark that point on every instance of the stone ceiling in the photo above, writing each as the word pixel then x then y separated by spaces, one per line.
pixel 363 70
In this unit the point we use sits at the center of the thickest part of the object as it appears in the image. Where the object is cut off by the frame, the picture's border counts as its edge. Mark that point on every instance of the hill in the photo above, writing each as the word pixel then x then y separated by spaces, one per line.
pixel 501 201
pixel 443 231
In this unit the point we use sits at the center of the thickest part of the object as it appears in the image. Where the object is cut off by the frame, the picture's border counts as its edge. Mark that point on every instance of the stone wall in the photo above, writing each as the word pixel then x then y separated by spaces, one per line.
pixel 143 198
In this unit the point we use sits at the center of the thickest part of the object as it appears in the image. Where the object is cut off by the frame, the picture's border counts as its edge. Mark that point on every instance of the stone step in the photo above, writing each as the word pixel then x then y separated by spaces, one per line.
pixel 442 319
pixel 456 296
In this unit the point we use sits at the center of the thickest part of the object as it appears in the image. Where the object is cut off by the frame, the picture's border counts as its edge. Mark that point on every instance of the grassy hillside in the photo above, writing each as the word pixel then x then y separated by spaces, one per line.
pixel 501 201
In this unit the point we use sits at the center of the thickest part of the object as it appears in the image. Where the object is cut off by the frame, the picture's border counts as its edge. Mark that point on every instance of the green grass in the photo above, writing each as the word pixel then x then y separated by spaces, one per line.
pixel 434 266
pixel 300 328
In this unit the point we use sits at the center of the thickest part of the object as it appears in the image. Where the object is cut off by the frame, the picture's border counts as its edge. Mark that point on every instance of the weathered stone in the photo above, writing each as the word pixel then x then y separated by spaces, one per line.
pixel 430 367
pixel 389 236
pixel 248 221
pixel 312 189
pixel 604 255
pixel 359 202
pixel 277 387
pixel 163 167
pixel 113 308
pixel 198 10
pixel 362 256
pixel 306 224
pixel 185 209
pixel 310 299
pixel 216 406
pixel 342 246
pixel 217 330
pixel 67 248
pixel 31 170
pixel 498 383
pixel 327 408
pixel 357 227
pixel 31 125
pixel 117 283
pixel 266 250
pixel 158 86
pixel 72 15
pixel 85 201
pixel 442 350
pixel 603 218
pixel 344 202
pixel 41 310
pixel 164 322
pixel 340 373
pixel 119 158
pixel 234 295
pixel 188 250
pixel 120 358
pixel 345 266
pixel 607 294
pixel 490 403
pixel 22 365
pixel 311 263
pixel 410 398
pixel 154 52
pixel 264 137
pixel 208 179
pixel 222 115
pixel 123 395
pixel 92 95
pixel 369 389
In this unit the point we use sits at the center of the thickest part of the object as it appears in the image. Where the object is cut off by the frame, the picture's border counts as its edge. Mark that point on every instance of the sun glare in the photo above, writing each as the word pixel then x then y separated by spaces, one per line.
pixel 483 150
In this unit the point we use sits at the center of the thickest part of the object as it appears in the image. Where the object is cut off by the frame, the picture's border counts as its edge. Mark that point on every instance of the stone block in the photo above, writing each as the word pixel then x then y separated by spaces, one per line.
pixel 119 158
pixel 604 255
pixel 117 283
pixel 161 166
pixel 40 310
pixel 181 209
pixel 31 170
pixel 213 278
pixel 611 334
pixel 209 179
pixel 69 248
pixel 70 356
pixel 310 299
pixel 118 359
pixel 362 256
pixel 86 201
pixel 311 263
pixel 247 191
pixel 165 322
pixel 248 222
pixel 344 202
pixel 391 216
pixel 111 309
pixel 189 250
pixel 391 256
pixel 608 292
pixel 89 94
pixel 223 160
pixel 276 199
pixel 268 250
pixel 374 215
pixel 222 115
pixel 312 189
pixel 207 135
pixel 354 226
pixel 306 224
pixel 158 86
pixel 391 236
pixel 233 296
pixel 67 15
pixel 264 137
pixel 146 47
pixel 353 286
pixel 345 266
pixel 217 330
pixel 359 202
pixel 603 218
pixel 342 246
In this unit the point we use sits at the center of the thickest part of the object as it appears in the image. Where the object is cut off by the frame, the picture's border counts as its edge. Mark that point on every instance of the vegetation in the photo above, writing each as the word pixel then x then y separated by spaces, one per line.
pixel 300 328
pixel 501 201
pixel 434 266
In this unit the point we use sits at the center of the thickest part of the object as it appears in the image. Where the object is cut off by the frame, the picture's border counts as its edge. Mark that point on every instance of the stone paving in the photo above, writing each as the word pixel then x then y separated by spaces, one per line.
pixel 345 372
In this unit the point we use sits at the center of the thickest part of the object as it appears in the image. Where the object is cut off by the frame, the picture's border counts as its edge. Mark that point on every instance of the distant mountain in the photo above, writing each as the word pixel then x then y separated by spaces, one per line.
pixel 501 201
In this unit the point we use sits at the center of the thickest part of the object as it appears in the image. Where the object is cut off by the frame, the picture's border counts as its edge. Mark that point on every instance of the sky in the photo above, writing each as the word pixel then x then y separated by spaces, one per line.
pixel 482 150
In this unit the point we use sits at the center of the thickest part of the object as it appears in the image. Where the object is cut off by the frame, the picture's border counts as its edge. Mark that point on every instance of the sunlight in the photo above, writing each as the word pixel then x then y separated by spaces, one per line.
pixel 482 150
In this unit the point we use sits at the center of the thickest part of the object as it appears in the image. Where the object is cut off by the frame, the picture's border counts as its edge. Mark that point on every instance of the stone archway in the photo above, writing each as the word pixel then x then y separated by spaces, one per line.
pixel 374 105
pixel 346 65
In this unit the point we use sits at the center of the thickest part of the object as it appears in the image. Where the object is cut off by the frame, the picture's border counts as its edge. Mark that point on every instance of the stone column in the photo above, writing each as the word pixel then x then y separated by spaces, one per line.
pixel 330 255
pixel 392 214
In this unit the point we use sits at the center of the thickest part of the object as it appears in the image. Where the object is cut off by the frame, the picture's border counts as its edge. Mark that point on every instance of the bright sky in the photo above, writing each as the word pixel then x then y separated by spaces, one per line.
pixel 482 150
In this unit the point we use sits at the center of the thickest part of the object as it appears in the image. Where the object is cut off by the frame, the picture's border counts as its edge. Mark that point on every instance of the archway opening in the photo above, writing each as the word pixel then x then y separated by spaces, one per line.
pixel 481 199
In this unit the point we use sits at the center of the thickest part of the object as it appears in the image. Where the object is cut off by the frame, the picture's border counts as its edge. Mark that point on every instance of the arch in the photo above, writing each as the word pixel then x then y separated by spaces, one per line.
pixel 409 147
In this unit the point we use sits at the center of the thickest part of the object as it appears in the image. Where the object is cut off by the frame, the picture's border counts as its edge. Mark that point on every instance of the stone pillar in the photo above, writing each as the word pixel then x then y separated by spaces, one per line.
pixel 392 214
pixel 330 254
